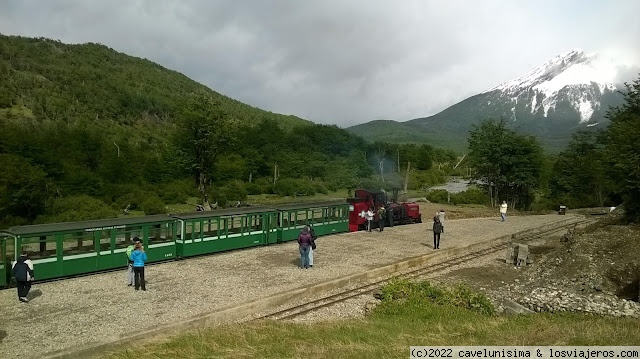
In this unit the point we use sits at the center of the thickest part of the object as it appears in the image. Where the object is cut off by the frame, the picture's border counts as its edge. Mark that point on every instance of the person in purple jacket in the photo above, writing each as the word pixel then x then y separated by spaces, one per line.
pixel 304 241
pixel 139 257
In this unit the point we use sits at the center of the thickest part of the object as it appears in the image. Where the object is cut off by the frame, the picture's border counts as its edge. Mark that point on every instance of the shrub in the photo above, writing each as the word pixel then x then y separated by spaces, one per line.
pixel 286 187
pixel 177 191
pixel 235 191
pixel 153 205
pixel 438 196
pixel 76 208
pixel 460 296
pixel 470 196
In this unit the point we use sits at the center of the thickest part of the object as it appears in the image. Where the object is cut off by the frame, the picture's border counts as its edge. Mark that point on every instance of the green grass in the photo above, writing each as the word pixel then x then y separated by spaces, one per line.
pixel 388 332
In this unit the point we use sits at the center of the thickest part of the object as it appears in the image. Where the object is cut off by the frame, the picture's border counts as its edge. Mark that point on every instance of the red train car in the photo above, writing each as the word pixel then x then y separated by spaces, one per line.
pixel 397 213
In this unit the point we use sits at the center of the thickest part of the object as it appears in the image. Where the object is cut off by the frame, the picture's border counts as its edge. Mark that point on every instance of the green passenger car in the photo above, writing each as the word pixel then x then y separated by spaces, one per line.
pixel 325 218
pixel 65 249
pixel 225 229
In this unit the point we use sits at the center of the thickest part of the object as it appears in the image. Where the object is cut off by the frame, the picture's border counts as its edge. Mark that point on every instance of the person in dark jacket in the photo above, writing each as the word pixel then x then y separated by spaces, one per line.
pixel 437 229
pixel 139 257
pixel 304 241
pixel 382 216
pixel 313 244
pixel 23 272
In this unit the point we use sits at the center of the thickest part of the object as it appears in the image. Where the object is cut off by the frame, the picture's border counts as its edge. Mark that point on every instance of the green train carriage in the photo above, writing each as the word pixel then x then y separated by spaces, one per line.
pixel 226 229
pixel 325 218
pixel 73 248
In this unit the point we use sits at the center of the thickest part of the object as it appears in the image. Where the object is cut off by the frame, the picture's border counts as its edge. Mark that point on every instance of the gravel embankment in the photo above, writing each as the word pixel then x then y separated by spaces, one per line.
pixel 96 308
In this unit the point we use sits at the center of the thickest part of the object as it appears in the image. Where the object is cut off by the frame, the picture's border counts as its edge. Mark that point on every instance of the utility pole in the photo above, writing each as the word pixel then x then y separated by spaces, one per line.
pixel 406 178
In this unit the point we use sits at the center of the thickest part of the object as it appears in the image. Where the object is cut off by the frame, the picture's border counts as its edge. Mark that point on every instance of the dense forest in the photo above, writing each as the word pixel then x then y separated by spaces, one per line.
pixel 88 132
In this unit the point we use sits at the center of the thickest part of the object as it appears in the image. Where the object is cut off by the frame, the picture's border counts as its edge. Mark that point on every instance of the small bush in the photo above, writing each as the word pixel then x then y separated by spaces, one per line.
pixel 286 187
pixel 235 191
pixel 470 196
pixel 460 296
pixel 177 191
pixel 438 196
pixel 76 208
pixel 153 205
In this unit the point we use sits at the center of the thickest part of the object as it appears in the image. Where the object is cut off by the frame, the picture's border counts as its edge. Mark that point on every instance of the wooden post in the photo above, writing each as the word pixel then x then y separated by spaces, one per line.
pixel 406 178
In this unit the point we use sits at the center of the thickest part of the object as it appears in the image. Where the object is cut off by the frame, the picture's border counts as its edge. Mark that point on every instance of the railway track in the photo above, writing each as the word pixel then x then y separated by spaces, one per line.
pixel 326 301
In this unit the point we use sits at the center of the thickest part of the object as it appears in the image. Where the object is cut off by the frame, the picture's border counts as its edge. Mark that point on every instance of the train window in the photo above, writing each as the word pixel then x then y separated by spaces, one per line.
pixel 159 233
pixel 78 243
pixel 290 220
pixel 105 240
pixel 39 247
pixel 196 231
pixel 224 226
pixel 317 215
pixel 301 218
pixel 125 235
pixel 211 228
pixel 256 222
pixel 235 224
pixel 335 213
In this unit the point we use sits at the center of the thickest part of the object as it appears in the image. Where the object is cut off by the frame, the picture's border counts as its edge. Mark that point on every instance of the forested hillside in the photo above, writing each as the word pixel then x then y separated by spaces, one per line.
pixel 87 131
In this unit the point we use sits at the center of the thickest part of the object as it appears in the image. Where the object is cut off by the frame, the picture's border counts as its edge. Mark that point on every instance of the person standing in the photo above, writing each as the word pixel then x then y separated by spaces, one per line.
pixel 369 217
pixel 382 216
pixel 130 249
pixel 313 244
pixel 23 272
pixel 503 210
pixel 440 215
pixel 139 257
pixel 437 229
pixel 304 243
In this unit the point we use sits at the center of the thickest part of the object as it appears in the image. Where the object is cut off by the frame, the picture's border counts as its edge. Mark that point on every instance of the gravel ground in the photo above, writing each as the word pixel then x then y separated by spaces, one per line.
pixel 357 307
pixel 95 308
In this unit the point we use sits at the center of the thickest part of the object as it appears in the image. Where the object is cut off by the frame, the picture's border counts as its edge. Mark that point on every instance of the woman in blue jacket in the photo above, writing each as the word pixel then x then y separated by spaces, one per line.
pixel 139 257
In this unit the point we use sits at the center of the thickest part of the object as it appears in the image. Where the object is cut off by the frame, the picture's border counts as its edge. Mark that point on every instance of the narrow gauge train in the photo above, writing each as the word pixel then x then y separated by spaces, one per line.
pixel 74 248
pixel 396 212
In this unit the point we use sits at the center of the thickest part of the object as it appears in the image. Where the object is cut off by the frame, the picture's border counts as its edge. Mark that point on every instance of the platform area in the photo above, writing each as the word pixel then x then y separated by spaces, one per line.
pixel 78 312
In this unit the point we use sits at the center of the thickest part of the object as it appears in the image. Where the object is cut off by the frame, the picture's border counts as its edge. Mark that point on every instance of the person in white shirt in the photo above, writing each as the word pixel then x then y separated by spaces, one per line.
pixel 440 215
pixel 369 217
pixel 503 210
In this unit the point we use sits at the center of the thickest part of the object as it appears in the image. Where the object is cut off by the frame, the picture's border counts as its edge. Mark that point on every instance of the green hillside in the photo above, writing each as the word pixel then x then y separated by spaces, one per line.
pixel 87 131
pixel 50 80
pixel 404 133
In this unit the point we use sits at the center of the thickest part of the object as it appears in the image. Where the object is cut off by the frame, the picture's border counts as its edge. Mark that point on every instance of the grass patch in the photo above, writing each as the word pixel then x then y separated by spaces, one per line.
pixel 410 314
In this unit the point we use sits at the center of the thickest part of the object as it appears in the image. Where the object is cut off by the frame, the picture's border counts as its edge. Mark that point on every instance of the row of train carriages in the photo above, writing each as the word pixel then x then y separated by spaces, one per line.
pixel 73 248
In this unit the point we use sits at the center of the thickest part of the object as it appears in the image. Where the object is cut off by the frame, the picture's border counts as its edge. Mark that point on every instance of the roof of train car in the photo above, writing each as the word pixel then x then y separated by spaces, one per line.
pixel 289 206
pixel 103 223
pixel 223 212
pixel 92 224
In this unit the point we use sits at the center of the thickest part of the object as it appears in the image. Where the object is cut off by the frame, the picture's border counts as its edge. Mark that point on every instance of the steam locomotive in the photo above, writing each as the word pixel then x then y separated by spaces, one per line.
pixel 396 212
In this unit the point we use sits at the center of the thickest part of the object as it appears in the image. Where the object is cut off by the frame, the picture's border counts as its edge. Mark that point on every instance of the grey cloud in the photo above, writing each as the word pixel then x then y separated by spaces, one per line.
pixel 342 62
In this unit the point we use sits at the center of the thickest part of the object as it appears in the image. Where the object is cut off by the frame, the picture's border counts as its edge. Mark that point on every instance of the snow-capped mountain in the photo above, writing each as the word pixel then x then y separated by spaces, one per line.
pixel 570 92
pixel 574 79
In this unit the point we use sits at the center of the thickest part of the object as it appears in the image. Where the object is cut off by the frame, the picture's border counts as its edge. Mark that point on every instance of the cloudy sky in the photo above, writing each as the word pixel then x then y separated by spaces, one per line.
pixel 340 62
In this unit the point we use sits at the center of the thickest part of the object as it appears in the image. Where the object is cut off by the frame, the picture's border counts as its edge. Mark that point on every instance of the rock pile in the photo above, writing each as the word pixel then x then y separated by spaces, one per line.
pixel 543 299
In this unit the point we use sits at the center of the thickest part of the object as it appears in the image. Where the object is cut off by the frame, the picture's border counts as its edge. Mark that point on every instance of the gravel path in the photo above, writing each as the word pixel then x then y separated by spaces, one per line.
pixel 80 311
